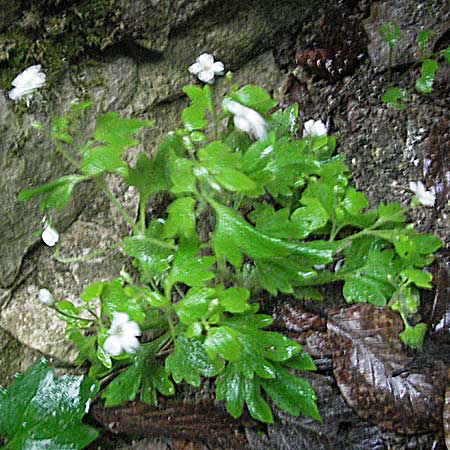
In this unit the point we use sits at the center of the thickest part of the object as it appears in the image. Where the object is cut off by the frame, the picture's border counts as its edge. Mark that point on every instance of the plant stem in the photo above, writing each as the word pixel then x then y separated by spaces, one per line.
pixel 70 316
pixel 212 110
pixel 142 214
pixel 84 258
pixel 66 155
pixel 102 183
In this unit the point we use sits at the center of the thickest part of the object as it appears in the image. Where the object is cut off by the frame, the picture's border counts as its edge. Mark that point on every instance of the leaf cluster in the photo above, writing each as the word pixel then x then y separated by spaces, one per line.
pixel 395 96
pixel 285 219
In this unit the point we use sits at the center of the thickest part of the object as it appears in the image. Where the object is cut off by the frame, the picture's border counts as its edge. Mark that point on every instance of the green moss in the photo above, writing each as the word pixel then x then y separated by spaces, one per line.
pixel 56 36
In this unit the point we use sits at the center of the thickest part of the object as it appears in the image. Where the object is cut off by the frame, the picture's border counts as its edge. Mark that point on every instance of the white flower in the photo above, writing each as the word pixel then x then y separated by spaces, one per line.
pixel 122 335
pixel 50 236
pixel 314 128
pixel 46 297
pixel 426 198
pixel 247 120
pixel 27 82
pixel 205 69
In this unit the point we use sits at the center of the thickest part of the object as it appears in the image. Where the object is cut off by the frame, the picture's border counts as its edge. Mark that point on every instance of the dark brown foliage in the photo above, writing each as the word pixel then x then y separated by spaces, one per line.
pixel 197 422
pixel 377 376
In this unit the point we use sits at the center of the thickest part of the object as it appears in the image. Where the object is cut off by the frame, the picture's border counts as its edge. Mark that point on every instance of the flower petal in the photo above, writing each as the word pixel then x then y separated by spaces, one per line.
pixel 50 236
pixel 241 123
pixel 113 346
pixel 195 68
pixel 130 344
pixel 314 128
pixel 131 329
pixel 218 68
pixel 206 60
pixel 45 297
pixel 207 76
pixel 119 318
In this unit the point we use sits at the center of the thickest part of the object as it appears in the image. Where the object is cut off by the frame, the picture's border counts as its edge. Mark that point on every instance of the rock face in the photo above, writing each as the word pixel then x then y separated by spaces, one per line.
pixel 132 81
pixel 132 57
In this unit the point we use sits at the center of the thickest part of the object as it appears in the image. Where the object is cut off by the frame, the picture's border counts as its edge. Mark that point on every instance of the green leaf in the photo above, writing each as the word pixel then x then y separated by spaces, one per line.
pixel 155 378
pixel 116 133
pixel 301 361
pixel 258 348
pixel 390 32
pixel 125 386
pixel 413 337
pixel 194 305
pixel 392 212
pixel 189 361
pixel 56 194
pixel 257 406
pixel 284 122
pixel 424 84
pixel 92 291
pixel 234 300
pixel 181 220
pixel 149 175
pixel 60 129
pixel 152 259
pixel 181 174
pixel 230 386
pixel 406 301
pixel 39 411
pixel 410 244
pixel 197 95
pixel 194 118
pixel 194 115
pixel 420 278
pixel 190 269
pixel 233 180
pixel 223 341
pixel 423 38
pixel 283 274
pixel 234 235
pixel 254 97
pixel 446 54
pixel 291 394
pixel 371 282
pixel 309 219
pixel 116 298
pixel 112 136
pixel 395 97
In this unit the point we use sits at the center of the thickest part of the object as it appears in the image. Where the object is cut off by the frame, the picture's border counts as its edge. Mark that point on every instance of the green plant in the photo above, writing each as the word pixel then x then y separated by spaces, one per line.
pixel 286 220
pixel 396 96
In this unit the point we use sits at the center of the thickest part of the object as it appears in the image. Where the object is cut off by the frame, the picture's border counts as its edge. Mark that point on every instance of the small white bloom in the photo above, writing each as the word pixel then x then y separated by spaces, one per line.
pixel 46 297
pixel 426 198
pixel 205 69
pixel 122 335
pixel 314 128
pixel 50 236
pixel 27 82
pixel 247 120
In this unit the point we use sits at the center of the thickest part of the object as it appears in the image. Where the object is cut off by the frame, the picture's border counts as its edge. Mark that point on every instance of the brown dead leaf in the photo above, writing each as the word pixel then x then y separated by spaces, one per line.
pixel 377 376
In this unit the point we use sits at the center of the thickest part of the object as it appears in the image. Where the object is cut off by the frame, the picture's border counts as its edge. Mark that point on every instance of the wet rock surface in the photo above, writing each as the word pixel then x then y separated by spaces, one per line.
pixel 385 149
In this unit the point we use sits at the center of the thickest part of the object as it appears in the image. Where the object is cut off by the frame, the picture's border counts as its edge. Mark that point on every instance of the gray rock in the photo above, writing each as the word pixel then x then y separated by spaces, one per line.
pixel 411 16
pixel 99 225
pixel 15 357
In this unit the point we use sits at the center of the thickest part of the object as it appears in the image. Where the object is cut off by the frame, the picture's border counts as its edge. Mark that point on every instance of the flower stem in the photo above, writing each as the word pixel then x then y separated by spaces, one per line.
pixel 142 214
pixel 70 316
pixel 212 110
pixel 102 183
pixel 84 258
